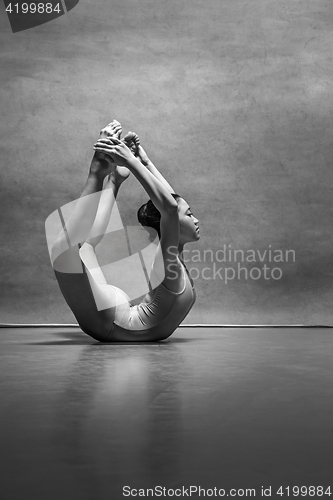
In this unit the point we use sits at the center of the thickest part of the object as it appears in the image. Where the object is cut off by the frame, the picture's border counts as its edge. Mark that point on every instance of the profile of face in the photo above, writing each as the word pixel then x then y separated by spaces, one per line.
pixel 189 224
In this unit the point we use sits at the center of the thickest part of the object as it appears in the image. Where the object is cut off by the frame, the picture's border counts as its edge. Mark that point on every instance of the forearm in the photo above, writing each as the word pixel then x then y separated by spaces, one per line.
pixel 152 169
pixel 157 190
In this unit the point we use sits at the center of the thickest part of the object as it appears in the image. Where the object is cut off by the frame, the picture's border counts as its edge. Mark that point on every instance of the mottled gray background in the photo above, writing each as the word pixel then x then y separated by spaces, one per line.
pixel 233 101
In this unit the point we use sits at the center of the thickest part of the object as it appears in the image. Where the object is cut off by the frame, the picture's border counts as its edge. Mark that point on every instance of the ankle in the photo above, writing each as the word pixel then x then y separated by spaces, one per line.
pixel 97 168
pixel 112 181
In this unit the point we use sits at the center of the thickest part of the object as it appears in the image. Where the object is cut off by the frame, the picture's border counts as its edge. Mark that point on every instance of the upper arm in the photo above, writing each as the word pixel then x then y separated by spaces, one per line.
pixel 169 227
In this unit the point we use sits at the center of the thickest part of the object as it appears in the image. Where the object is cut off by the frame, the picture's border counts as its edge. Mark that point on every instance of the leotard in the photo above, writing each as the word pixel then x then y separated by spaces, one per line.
pixel 160 316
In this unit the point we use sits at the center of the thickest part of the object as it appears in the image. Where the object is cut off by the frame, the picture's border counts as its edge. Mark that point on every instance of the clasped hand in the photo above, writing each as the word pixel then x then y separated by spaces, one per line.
pixel 114 148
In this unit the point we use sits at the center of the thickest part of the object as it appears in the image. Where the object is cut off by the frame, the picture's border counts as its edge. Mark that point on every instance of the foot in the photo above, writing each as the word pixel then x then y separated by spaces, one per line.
pixel 113 129
pixel 132 141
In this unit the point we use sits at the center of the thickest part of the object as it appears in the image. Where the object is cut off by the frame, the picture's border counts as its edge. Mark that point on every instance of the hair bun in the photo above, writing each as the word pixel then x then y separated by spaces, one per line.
pixel 149 216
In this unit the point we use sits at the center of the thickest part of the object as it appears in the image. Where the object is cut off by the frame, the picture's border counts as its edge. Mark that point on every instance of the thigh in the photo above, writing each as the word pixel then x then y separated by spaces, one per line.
pixel 94 306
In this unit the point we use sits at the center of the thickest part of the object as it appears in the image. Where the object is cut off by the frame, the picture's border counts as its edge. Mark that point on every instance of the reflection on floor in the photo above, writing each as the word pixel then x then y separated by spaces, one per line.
pixel 210 408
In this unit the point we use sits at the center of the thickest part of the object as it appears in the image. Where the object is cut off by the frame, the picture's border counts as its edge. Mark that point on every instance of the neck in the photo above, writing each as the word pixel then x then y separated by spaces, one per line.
pixel 180 250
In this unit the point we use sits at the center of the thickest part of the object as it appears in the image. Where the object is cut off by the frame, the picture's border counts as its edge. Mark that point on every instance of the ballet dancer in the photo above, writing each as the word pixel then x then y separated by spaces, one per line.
pixel 80 278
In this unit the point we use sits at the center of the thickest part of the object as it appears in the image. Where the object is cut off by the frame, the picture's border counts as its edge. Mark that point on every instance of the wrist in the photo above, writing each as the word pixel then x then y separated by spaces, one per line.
pixel 133 162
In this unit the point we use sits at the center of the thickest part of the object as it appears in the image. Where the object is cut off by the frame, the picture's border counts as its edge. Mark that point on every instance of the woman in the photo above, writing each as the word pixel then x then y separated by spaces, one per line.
pixel 162 309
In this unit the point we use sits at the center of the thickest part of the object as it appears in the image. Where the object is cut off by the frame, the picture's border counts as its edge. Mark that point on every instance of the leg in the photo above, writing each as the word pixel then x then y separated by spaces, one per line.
pixel 80 279
pixel 88 304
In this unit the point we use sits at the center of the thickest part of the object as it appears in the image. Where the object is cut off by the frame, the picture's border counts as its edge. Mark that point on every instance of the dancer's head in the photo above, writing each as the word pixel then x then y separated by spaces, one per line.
pixel 149 216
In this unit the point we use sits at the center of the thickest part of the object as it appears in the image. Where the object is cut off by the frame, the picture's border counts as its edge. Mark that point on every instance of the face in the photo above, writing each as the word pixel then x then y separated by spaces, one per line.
pixel 189 225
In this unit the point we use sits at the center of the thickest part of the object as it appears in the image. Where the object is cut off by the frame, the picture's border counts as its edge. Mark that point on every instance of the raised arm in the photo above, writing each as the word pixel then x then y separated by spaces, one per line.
pixel 153 170
pixel 133 140
pixel 163 201
pixel 155 188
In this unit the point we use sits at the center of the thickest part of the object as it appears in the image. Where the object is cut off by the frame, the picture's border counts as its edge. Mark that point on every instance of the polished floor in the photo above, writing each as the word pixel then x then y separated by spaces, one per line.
pixel 211 408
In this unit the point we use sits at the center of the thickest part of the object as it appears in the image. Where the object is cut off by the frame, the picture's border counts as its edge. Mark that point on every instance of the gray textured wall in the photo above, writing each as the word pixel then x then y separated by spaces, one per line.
pixel 232 99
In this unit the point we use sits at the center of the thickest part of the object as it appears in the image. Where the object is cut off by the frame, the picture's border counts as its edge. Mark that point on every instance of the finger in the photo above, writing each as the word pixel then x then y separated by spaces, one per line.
pixel 108 141
pixel 115 140
pixel 103 140
pixel 103 150
pixel 105 146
